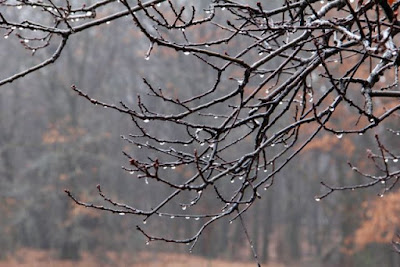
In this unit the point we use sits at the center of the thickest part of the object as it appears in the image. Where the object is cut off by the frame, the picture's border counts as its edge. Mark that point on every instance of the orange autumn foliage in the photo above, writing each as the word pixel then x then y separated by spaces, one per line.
pixel 381 223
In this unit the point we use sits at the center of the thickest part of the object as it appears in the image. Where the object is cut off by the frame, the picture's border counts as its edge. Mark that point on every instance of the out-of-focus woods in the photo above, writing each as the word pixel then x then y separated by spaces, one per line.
pixel 51 139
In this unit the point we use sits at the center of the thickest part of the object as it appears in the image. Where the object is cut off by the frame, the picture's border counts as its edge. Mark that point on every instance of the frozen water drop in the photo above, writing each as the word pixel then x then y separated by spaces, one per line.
pixel 395 160
pixel 184 207
pixel 240 82
pixel 360 134
pixel 331 109
pixel 197 218
pixel 187 217
pixel 146 58
pixel 232 181
pixel 108 22
pixel 144 222
pixel 172 217
pixel 317 199
pixel 5 36
pixel 146 180
pixel 173 167
pixel 162 143
pixel 147 243
pixel 261 75
pixel 186 53
pixel 121 213
pixel 26 41
pixel 131 172
pixel 339 136
pixel 19 7
pixel 89 13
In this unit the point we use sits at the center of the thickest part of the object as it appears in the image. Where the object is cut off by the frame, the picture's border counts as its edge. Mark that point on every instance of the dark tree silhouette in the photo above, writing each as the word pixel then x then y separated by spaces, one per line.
pixel 280 75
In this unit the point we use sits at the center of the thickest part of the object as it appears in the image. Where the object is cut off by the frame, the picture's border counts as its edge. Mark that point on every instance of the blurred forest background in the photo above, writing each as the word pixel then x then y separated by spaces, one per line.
pixel 52 139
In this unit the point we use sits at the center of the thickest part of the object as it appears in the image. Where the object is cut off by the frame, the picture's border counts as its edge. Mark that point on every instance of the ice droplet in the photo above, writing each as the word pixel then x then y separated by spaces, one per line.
pixel 108 22
pixel 240 82
pixel 146 58
pixel 331 109
pixel 19 7
pixel 339 136
pixel 173 167
pixel 317 199
pixel 26 41
pixel 197 218
pixel 144 222
pixel 186 53
pixel 121 213
pixel 131 172
pixel 395 160
pixel 261 75
pixel 187 217
pixel 89 13
pixel 183 207
pixel 172 217
pixel 232 181
pixel 146 180
pixel 5 36
pixel 162 143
